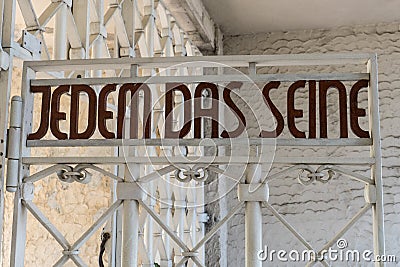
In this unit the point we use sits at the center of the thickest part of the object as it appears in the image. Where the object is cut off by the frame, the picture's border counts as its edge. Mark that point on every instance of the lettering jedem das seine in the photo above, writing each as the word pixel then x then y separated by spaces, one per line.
pixel 99 114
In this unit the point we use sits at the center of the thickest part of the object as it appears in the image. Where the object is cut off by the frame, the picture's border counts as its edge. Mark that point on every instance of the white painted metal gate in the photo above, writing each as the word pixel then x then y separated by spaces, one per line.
pixel 167 228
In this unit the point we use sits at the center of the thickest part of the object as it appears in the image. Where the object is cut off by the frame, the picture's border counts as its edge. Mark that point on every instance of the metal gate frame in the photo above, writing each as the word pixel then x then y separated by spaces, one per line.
pixel 129 194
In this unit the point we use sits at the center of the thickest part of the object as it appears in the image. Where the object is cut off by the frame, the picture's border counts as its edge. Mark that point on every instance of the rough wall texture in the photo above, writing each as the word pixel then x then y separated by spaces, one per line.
pixel 318 211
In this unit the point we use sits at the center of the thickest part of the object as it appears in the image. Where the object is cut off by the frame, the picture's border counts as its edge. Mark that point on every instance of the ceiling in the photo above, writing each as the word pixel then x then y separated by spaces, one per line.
pixel 253 16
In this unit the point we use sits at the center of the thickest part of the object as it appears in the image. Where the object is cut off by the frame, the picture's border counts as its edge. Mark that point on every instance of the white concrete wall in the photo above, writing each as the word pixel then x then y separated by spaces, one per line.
pixel 318 211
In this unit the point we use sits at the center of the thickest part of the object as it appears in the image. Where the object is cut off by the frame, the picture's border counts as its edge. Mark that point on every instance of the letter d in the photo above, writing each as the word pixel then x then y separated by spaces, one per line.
pixel 262 255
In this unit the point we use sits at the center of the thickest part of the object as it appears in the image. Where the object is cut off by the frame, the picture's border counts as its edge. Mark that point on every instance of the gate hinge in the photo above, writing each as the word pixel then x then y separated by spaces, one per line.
pixel 13 152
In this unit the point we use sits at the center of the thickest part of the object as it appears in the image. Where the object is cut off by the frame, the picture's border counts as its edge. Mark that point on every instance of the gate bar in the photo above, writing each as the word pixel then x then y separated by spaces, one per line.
pixel 233 61
pixel 130 223
pixel 253 221
pixel 376 169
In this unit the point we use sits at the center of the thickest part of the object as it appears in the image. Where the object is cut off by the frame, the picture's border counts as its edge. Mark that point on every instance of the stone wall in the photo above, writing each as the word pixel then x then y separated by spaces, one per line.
pixel 72 208
pixel 318 211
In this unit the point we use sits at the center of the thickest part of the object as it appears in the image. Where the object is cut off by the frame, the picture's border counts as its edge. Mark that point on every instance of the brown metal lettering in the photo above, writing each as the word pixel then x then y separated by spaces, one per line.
pixel 169 106
pixel 104 114
pixel 134 89
pixel 44 114
pixel 238 113
pixel 56 115
pixel 312 109
pixel 323 89
pixel 76 90
pixel 356 112
pixel 212 112
pixel 292 112
pixel 280 123
pixel 51 114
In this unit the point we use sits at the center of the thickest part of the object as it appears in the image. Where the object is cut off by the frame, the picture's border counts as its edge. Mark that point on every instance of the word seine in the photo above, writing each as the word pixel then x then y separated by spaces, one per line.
pixel 98 105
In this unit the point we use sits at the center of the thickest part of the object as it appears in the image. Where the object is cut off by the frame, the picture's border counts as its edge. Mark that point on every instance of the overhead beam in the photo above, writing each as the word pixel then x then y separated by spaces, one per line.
pixel 195 21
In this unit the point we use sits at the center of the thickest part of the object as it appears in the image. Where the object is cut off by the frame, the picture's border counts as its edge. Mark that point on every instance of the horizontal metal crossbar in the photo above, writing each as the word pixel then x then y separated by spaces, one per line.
pixel 231 61
pixel 201 142
pixel 198 160
pixel 205 78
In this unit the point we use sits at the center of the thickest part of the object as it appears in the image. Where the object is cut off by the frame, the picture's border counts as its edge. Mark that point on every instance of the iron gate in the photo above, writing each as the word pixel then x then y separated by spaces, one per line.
pixel 159 181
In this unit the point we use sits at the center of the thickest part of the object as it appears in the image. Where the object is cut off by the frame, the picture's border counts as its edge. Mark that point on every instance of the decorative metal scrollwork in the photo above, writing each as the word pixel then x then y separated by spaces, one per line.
pixel 186 174
pixel 323 174
pixel 71 174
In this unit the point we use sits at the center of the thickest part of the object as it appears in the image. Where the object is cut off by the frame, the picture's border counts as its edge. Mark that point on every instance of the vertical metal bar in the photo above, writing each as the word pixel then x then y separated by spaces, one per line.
pixel 81 12
pixel 130 216
pixel 1 18
pixel 116 234
pixel 165 187
pixel 253 216
pixel 8 23
pixel 376 169
pixel 60 33
pixel 19 232
pixel 179 188
pixel 222 181
pixel 118 219
pixel 130 223
pixel 253 221
pixel 128 13
pixel 150 27
pixel 98 46
pixel 150 31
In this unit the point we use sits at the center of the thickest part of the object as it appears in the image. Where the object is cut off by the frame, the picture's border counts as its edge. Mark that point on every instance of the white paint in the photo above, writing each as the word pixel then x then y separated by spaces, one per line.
pixel 254 16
